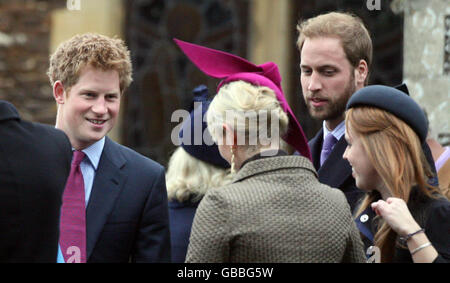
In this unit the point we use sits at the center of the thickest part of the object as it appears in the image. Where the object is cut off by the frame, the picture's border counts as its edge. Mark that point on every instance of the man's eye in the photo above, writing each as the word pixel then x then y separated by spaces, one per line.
pixel 329 72
pixel 306 71
pixel 111 97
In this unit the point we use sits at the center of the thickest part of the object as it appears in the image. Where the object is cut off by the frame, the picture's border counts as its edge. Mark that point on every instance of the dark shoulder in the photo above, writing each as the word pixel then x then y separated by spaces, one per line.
pixel 440 207
pixel 45 135
pixel 50 131
pixel 438 226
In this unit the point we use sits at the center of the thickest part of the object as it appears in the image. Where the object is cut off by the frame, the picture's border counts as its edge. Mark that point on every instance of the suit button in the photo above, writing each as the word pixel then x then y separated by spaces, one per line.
pixel 364 218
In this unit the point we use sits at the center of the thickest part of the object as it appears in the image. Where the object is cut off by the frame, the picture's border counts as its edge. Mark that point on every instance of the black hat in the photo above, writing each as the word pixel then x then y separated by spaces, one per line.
pixel 394 101
pixel 203 147
pixel 403 88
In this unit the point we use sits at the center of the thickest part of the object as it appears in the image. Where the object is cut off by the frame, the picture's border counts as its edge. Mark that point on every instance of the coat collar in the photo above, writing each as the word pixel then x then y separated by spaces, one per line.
pixel 8 111
pixel 365 223
pixel 265 165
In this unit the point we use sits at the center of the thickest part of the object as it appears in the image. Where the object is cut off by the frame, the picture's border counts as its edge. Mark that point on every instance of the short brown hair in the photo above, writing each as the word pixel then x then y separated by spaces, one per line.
pixel 96 50
pixel 350 29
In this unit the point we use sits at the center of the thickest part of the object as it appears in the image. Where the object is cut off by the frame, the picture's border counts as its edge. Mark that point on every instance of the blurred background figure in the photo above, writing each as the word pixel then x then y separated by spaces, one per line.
pixel 192 170
pixel 388 163
pixel 441 156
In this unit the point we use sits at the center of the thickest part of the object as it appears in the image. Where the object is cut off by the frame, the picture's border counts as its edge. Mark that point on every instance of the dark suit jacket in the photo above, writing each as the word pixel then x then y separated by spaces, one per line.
pixel 127 213
pixel 336 172
pixel 34 165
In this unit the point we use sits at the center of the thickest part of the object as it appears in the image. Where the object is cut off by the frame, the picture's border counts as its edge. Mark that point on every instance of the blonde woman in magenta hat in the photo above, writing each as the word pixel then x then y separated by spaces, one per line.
pixel 275 209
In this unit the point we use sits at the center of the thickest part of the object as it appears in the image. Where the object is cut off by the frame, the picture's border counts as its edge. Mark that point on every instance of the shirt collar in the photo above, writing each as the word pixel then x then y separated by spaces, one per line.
pixel 338 132
pixel 94 152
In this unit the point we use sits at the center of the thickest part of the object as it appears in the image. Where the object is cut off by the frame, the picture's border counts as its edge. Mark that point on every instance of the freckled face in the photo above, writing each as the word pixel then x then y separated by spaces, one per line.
pixel 89 110
pixel 366 177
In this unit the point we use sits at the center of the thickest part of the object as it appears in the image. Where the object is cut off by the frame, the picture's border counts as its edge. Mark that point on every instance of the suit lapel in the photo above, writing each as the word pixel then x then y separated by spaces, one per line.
pixel 315 144
pixel 107 185
pixel 336 169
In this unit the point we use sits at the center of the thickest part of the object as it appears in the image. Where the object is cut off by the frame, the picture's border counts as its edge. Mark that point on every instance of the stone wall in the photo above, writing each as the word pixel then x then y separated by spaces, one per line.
pixel 24 51
pixel 426 60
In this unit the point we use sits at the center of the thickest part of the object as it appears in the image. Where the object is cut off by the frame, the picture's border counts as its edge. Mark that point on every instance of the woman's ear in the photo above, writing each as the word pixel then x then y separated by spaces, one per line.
pixel 361 73
pixel 229 135
pixel 58 92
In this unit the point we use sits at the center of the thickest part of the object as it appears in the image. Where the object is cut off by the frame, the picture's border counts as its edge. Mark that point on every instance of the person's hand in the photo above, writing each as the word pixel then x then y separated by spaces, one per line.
pixel 396 213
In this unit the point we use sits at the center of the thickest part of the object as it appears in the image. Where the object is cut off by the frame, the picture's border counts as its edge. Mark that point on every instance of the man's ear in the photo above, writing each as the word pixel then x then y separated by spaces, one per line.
pixel 361 73
pixel 58 92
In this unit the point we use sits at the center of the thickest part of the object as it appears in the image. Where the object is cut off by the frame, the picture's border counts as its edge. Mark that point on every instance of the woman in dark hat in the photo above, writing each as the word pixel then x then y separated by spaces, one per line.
pixel 195 167
pixel 275 209
pixel 385 130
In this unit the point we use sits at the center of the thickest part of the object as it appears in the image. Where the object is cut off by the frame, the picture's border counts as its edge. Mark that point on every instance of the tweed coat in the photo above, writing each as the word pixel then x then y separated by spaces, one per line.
pixel 275 210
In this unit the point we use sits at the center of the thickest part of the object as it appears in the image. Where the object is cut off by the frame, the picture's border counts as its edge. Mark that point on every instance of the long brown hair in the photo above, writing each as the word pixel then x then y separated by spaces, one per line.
pixel 395 151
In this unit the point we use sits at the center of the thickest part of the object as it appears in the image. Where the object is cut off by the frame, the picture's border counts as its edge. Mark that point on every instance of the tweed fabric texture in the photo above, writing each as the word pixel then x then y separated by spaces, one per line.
pixel 275 210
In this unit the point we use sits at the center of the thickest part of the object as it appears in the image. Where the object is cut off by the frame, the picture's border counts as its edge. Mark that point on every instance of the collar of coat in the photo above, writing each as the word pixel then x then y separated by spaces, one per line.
pixel 268 164
pixel 8 111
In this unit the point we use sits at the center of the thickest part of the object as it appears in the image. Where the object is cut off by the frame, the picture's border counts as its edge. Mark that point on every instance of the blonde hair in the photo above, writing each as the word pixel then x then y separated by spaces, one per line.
pixel 350 29
pixel 90 49
pixel 241 98
pixel 395 151
pixel 188 176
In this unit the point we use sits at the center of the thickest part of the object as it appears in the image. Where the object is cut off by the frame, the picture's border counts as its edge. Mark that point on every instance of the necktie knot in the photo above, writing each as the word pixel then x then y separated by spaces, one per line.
pixel 327 147
pixel 78 156
pixel 330 141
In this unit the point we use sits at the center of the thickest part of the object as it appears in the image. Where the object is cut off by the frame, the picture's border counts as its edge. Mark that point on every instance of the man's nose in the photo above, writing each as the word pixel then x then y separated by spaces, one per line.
pixel 100 107
pixel 314 82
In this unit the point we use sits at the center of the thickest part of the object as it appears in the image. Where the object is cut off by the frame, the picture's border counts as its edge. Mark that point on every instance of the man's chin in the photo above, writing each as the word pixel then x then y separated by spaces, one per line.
pixel 318 115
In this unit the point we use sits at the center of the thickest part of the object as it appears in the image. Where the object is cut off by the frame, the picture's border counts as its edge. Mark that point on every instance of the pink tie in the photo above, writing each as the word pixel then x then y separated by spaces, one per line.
pixel 73 214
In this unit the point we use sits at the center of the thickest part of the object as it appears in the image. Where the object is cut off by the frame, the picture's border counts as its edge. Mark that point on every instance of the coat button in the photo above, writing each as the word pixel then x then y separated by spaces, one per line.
pixel 364 218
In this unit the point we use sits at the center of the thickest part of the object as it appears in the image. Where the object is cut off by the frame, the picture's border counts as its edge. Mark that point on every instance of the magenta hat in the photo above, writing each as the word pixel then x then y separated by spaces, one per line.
pixel 229 67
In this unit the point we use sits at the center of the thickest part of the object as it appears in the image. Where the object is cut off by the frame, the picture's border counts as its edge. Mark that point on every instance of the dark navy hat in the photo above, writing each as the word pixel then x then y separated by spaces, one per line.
pixel 394 101
pixel 194 136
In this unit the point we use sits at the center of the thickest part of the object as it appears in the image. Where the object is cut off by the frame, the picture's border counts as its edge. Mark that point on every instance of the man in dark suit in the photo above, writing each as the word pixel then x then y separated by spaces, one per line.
pixel 35 163
pixel 335 56
pixel 125 192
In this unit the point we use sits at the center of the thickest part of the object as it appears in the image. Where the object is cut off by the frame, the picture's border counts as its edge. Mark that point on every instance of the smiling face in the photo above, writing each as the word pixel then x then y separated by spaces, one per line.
pixel 366 177
pixel 327 78
pixel 88 111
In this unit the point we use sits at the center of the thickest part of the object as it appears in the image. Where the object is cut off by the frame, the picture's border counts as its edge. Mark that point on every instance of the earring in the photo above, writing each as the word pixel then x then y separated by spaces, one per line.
pixel 233 165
